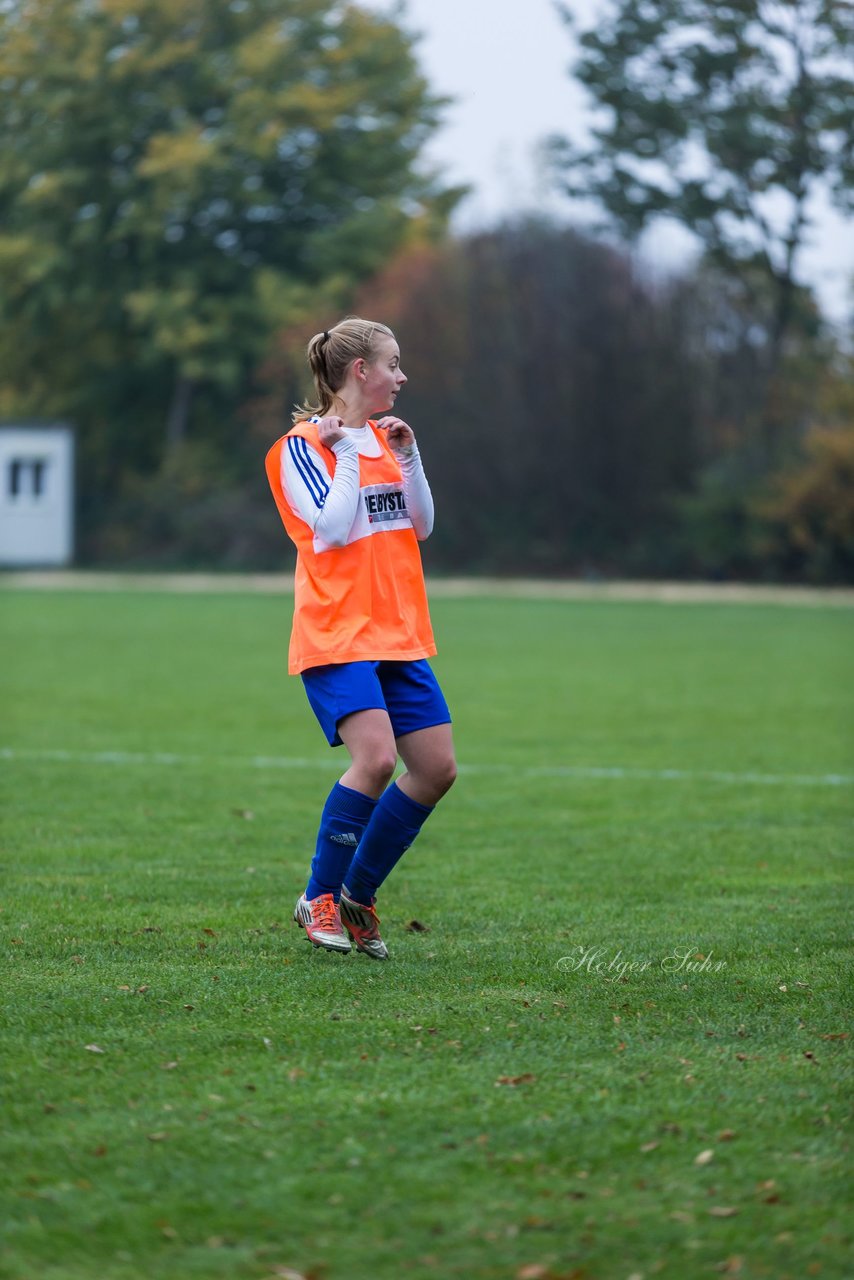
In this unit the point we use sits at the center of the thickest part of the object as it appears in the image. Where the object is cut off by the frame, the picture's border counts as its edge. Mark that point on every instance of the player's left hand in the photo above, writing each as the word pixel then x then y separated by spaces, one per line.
pixel 399 433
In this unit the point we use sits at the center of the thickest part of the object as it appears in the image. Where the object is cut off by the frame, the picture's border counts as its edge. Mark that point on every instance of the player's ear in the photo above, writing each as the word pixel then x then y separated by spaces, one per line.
pixel 360 368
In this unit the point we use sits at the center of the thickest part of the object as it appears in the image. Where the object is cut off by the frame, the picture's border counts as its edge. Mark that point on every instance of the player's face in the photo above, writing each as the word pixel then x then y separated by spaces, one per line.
pixel 384 376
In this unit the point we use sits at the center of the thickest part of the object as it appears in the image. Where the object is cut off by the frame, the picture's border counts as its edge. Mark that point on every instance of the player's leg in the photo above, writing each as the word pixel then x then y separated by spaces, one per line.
pixel 424 740
pixel 431 766
pixel 369 739
pixel 367 734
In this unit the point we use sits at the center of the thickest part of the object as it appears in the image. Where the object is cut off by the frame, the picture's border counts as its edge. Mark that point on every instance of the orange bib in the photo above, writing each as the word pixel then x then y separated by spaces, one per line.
pixel 366 600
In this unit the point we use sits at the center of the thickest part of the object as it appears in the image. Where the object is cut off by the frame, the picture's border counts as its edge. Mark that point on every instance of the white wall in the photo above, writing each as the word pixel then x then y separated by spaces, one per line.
pixel 36 494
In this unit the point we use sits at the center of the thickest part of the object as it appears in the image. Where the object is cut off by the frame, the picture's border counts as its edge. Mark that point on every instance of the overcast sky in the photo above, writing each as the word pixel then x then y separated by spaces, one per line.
pixel 505 64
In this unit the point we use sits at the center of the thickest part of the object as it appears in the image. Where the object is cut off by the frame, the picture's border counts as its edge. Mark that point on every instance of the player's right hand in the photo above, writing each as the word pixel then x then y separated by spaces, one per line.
pixel 330 430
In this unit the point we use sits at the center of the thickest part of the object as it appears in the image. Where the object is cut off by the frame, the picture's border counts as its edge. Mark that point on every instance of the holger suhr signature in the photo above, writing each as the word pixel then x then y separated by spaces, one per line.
pixel 607 963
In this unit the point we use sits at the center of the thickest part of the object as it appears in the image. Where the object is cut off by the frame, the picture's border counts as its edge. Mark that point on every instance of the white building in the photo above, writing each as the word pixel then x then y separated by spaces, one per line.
pixel 36 494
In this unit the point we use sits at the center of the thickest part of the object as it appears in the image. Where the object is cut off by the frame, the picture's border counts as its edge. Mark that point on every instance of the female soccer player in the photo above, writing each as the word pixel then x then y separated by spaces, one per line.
pixel 354 499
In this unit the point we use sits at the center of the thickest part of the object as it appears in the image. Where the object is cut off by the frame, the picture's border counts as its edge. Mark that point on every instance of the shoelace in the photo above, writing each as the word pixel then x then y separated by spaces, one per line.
pixel 325 913
pixel 372 929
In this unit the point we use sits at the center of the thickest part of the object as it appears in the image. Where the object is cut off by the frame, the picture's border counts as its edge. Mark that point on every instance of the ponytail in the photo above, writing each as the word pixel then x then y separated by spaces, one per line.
pixel 331 353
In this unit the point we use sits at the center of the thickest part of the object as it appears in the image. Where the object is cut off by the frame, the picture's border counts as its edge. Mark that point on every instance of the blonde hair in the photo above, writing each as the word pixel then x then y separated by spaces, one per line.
pixel 331 353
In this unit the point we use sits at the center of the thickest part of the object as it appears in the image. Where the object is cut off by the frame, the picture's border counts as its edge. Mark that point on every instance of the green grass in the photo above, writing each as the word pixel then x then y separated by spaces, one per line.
pixel 258 1106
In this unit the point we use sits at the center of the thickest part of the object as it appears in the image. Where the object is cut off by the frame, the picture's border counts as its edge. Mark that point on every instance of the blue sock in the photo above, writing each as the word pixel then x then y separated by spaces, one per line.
pixel 345 816
pixel 395 823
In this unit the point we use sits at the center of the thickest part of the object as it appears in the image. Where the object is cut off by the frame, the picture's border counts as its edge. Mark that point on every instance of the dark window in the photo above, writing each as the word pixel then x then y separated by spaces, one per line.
pixel 27 476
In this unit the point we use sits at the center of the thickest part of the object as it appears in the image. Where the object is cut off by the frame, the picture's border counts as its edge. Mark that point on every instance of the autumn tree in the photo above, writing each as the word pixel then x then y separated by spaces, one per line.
pixel 729 116
pixel 177 178
pixel 552 391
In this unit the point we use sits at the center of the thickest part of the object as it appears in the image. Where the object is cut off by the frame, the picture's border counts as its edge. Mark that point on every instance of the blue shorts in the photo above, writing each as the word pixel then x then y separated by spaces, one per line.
pixel 408 691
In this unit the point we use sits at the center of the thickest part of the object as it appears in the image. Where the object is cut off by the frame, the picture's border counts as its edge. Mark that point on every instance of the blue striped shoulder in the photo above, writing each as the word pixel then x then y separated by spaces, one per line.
pixel 312 477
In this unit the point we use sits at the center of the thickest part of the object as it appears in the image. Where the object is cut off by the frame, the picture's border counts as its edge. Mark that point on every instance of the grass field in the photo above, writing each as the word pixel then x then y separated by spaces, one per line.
pixel 618 1050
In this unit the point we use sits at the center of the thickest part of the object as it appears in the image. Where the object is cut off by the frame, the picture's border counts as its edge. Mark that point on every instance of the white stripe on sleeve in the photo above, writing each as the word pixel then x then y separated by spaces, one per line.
pixel 326 503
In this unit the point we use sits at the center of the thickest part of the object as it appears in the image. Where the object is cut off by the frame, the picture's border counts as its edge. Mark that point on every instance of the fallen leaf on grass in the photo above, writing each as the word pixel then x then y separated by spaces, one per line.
pixel 246 814
pixel 726 1135
pixel 537 1271
pixel 731 1266
pixel 836 1035
pixel 210 933
pixel 168 1066
pixel 288 1273
pixel 157 1137
pixel 705 1157
pixel 526 1078
pixel 722 1211
pixel 415 926
pixel 94 1048
pixel 649 1146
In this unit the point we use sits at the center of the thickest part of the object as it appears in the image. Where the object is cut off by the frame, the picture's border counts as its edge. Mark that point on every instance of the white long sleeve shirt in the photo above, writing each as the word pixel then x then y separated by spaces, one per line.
pixel 330 504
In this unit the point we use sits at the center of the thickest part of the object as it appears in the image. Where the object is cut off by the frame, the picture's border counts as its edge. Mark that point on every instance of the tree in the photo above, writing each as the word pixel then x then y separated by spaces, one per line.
pixel 727 115
pixel 807 512
pixel 177 177
pixel 552 393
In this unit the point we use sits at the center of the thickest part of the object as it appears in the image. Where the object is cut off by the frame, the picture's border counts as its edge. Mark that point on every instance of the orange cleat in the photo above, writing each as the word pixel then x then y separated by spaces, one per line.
pixel 363 925
pixel 321 919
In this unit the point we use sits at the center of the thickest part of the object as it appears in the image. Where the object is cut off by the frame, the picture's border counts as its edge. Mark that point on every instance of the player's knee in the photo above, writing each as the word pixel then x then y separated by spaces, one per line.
pixel 381 766
pixel 444 775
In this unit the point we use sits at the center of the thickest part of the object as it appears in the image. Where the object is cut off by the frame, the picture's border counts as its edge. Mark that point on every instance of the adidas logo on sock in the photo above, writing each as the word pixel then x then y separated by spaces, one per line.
pixel 347 838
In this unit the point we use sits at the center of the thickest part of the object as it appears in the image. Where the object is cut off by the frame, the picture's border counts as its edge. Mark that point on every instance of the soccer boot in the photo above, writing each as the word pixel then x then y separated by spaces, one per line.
pixel 363 925
pixel 321 920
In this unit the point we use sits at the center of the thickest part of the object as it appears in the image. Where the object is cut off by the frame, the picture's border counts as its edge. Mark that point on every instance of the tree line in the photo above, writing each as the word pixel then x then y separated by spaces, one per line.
pixel 577 417
pixel 189 190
